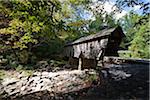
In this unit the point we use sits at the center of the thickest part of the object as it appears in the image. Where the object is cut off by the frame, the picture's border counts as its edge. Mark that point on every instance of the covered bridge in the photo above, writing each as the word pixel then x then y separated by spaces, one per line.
pixel 86 51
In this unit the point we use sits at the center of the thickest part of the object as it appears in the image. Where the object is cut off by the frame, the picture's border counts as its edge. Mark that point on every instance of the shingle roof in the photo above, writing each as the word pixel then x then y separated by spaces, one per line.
pixel 105 32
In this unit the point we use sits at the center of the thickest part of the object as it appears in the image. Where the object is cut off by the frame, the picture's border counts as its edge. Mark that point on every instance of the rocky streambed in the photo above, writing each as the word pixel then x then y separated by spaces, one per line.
pixel 126 81
pixel 43 85
pixel 114 82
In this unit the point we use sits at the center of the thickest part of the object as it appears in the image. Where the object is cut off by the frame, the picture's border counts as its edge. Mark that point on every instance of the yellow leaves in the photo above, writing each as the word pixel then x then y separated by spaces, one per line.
pixel 20 45
pixel 35 27
pixel 77 23
pixel 4 10
pixel 26 26
pixel 76 1
pixel 58 16
pixel 73 2
pixel 41 23
pixel 15 23
pixel 63 34
pixel 58 3
pixel 27 38
pixel 66 10
pixel 7 31
pixel 34 41
pixel 32 18
pixel 16 28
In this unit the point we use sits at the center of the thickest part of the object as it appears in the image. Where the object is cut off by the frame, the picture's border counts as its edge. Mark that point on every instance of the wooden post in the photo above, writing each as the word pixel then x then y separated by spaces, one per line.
pixel 80 64
pixel 100 57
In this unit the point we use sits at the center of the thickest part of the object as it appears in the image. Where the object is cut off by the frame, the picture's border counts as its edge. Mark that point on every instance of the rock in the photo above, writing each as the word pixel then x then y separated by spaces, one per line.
pixel 9 81
pixel 57 82
pixel 42 64
pixel 23 88
pixel 118 75
pixel 36 79
pixel 45 74
pixel 70 98
pixel 37 74
pixel 38 87
pixel 56 69
pixel 20 76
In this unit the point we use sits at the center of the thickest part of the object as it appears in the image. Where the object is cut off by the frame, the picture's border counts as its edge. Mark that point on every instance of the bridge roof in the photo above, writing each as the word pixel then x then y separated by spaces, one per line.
pixel 102 33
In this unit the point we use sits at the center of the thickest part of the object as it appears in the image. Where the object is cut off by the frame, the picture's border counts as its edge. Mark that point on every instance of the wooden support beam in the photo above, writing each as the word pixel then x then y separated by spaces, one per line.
pixel 80 64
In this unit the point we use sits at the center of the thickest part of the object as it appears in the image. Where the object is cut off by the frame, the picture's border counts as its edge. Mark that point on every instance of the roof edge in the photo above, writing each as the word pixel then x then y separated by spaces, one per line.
pixel 98 33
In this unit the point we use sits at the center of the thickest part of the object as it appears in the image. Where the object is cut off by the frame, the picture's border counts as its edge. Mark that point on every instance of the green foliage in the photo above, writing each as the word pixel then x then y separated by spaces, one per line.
pixel 39 26
pixel 31 23
pixel 137 28
pixel 93 77
pixel 101 21
pixel 57 63
pixel 128 22
pixel 19 68
pixel 140 43
pixel 137 34
pixel 23 56
pixel 2 74
pixel 125 54
pixel 13 64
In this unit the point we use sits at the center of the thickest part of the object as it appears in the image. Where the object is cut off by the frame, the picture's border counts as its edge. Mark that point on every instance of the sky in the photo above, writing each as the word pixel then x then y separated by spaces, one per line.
pixel 108 8
pixel 127 9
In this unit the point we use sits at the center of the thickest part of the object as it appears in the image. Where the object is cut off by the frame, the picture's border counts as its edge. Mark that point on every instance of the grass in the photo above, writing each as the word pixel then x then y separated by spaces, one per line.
pixel 2 74
pixel 15 73
pixel 93 77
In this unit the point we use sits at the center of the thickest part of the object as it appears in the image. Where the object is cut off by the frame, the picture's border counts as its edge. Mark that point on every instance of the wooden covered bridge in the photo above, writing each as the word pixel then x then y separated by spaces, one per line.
pixel 87 51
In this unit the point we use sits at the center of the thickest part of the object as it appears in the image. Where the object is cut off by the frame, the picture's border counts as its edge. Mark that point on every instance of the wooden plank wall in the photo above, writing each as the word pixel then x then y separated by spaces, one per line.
pixel 89 50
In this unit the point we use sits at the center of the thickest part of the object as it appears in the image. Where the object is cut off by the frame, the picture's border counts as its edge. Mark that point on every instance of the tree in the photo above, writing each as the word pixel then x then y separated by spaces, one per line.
pixel 128 24
pixel 136 27
pixel 137 34
pixel 101 22
pixel 141 41
pixel 32 24
pixel 29 21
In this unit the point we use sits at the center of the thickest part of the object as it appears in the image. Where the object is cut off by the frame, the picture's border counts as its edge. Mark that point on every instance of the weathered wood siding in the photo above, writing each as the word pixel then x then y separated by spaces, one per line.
pixel 92 48
pixel 89 50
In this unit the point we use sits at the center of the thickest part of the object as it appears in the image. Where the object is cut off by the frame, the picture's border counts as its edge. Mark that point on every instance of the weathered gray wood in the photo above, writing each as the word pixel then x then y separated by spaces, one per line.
pixel 104 42
pixel 90 49
pixel 80 64
pixel 95 45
